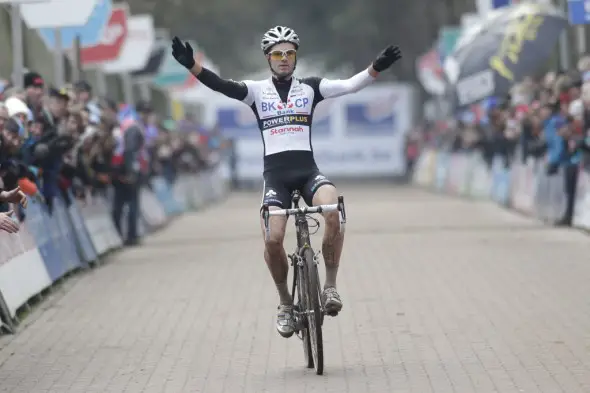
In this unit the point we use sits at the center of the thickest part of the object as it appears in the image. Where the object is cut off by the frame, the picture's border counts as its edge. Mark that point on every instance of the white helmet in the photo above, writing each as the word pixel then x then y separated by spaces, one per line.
pixel 277 35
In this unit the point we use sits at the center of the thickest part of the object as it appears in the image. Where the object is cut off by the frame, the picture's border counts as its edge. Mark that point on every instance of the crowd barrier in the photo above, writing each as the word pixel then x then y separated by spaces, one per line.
pixel 522 185
pixel 49 246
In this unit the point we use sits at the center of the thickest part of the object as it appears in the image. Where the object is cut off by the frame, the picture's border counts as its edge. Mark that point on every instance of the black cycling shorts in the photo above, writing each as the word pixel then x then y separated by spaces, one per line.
pixel 279 184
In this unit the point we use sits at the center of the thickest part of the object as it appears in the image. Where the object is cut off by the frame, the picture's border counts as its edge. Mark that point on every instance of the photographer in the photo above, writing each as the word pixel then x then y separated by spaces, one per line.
pixel 48 149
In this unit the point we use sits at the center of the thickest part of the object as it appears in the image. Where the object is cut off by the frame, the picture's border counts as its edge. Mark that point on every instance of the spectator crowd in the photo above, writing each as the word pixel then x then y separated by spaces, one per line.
pixel 546 117
pixel 64 142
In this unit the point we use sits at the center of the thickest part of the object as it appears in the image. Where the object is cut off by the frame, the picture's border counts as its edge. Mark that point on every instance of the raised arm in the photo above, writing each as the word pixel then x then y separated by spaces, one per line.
pixel 333 88
pixel 227 87
pixel 330 88
pixel 183 53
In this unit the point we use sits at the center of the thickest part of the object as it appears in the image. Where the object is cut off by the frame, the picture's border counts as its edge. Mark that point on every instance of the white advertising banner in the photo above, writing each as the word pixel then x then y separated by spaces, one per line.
pixel 137 47
pixel 56 13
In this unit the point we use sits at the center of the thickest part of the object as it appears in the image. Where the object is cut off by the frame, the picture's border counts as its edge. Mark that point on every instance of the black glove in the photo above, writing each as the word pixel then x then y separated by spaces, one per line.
pixel 390 55
pixel 183 53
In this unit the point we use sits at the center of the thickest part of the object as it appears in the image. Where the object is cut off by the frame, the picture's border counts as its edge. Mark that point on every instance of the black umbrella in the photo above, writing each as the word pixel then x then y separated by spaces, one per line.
pixel 489 59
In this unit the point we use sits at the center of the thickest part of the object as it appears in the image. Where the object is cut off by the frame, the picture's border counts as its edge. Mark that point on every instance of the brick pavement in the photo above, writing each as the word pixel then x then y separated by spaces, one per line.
pixel 441 295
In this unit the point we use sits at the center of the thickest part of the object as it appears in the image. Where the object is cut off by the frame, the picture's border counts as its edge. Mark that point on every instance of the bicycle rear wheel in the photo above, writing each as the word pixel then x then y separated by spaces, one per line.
pixel 314 317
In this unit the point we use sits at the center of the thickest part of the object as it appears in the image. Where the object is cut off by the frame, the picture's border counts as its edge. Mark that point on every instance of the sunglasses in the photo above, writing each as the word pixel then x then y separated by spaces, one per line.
pixel 279 54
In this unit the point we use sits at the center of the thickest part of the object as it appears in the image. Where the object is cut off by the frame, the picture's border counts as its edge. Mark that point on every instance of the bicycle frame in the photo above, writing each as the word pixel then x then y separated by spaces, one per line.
pixel 301 226
pixel 308 309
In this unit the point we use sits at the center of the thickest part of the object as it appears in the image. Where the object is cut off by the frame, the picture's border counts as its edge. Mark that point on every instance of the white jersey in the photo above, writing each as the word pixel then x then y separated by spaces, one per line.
pixel 284 111
pixel 286 125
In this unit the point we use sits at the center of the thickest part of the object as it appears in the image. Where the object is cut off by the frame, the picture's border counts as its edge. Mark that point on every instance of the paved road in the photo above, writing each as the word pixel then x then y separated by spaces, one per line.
pixel 441 295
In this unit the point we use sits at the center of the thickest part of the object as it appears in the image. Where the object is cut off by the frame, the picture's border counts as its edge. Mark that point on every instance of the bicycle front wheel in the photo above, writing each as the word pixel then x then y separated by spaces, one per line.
pixel 315 311
pixel 300 288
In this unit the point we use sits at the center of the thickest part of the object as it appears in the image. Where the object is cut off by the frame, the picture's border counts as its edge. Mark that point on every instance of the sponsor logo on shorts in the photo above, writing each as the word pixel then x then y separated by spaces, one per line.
pixel 273 200
pixel 319 181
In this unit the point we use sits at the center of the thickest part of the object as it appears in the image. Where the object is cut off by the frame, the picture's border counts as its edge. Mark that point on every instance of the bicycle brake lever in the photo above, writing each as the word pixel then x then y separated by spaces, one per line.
pixel 342 214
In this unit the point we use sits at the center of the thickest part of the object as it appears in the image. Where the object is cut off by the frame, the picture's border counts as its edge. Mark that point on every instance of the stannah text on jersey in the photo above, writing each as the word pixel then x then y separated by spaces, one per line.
pixel 285 130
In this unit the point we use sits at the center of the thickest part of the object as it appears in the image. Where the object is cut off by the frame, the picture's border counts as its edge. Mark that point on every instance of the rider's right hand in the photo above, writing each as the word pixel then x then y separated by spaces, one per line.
pixel 183 53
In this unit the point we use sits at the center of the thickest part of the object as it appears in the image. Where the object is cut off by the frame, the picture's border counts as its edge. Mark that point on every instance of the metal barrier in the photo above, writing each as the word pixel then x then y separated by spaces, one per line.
pixel 49 246
pixel 523 186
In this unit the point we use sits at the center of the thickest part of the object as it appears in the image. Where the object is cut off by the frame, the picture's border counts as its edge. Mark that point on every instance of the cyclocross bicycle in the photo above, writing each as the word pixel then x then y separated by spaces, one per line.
pixel 308 308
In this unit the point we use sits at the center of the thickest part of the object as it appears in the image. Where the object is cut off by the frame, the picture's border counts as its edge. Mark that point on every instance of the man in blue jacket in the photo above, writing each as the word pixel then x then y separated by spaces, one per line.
pixel 562 151
pixel 554 141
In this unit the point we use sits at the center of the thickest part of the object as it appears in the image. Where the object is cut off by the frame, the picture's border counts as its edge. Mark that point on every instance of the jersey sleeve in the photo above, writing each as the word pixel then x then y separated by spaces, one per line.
pixel 250 96
pixel 230 88
pixel 314 83
pixel 330 88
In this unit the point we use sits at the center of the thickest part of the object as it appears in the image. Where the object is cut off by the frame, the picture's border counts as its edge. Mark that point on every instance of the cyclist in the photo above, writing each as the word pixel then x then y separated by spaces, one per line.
pixel 284 106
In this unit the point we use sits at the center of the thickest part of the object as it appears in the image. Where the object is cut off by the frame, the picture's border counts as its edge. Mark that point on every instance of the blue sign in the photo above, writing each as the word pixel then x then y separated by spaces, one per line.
pixel 376 118
pixel 500 181
pixel 166 197
pixel 87 251
pixel 90 34
pixel 238 123
pixel 500 3
pixel 578 11
pixel 47 241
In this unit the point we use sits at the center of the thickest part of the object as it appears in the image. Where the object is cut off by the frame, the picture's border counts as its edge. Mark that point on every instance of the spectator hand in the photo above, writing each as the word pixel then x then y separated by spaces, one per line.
pixel 7 224
pixel 103 178
pixel 14 196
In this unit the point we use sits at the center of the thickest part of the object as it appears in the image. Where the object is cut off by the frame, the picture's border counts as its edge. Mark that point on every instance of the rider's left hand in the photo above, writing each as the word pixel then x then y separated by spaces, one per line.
pixel 386 58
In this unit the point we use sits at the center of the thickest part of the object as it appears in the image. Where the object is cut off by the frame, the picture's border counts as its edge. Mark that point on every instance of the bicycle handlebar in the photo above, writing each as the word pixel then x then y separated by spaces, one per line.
pixel 339 207
pixel 304 210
